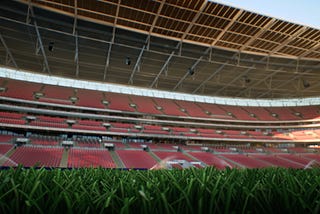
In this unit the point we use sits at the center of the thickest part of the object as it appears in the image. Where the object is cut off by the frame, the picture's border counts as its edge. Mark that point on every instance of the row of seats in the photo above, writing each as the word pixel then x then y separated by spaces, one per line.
pixel 94 142
pixel 84 157
pixel 148 105
pixel 117 127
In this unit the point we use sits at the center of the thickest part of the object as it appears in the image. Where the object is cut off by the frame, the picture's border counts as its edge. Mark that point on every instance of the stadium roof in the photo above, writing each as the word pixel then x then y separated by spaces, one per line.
pixel 195 46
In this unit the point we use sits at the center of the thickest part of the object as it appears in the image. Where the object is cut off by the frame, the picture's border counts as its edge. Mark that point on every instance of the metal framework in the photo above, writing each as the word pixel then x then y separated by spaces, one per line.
pixel 220 44
pixel 137 65
pixel 9 56
pixel 164 67
pixel 213 24
pixel 39 39
pixel 191 69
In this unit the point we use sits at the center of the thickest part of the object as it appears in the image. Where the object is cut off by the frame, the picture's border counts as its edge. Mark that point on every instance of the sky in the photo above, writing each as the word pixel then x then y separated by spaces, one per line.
pixel 305 12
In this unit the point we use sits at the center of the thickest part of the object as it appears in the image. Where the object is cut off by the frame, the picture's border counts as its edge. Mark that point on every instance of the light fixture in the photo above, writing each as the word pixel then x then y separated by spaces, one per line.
pixel 246 79
pixel 306 84
pixel 128 61
pixel 190 71
pixel 50 47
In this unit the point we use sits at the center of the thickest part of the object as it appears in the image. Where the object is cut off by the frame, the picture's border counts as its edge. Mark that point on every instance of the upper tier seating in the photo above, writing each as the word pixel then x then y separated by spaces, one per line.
pixel 238 112
pixel 307 112
pixel 283 113
pixel 260 112
pixel 119 102
pixel 192 109
pixel 215 111
pixel 89 98
pixel 145 104
pixel 15 89
pixel 169 107
pixel 57 93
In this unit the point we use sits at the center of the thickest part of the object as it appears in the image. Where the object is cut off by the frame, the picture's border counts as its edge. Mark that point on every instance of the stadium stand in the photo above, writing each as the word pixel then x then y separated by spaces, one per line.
pixel 174 115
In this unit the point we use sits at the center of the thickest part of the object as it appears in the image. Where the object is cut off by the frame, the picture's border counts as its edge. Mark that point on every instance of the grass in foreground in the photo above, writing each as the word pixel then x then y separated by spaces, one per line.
pixel 272 190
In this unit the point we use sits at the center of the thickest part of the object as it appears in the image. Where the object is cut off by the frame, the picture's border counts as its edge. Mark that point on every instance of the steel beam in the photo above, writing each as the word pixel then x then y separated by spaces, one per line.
pixel 75 21
pixel 8 52
pixel 165 65
pixel 46 64
pixel 298 75
pixel 76 54
pixel 195 64
pixel 136 66
pixel 106 65
pixel 210 77
pixel 261 80
pixel 235 79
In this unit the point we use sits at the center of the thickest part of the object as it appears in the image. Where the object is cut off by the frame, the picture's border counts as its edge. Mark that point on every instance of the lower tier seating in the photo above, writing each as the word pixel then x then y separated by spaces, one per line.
pixel 136 159
pixel 35 156
pixel 277 161
pixel 4 148
pixel 211 159
pixel 44 150
pixel 246 161
pixel 90 158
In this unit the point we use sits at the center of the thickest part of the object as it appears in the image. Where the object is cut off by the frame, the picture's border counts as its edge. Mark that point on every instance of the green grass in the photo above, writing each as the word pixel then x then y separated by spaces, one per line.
pixel 272 190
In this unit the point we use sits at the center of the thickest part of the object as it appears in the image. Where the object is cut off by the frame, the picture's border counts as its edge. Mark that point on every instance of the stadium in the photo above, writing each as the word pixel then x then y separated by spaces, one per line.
pixel 95 95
